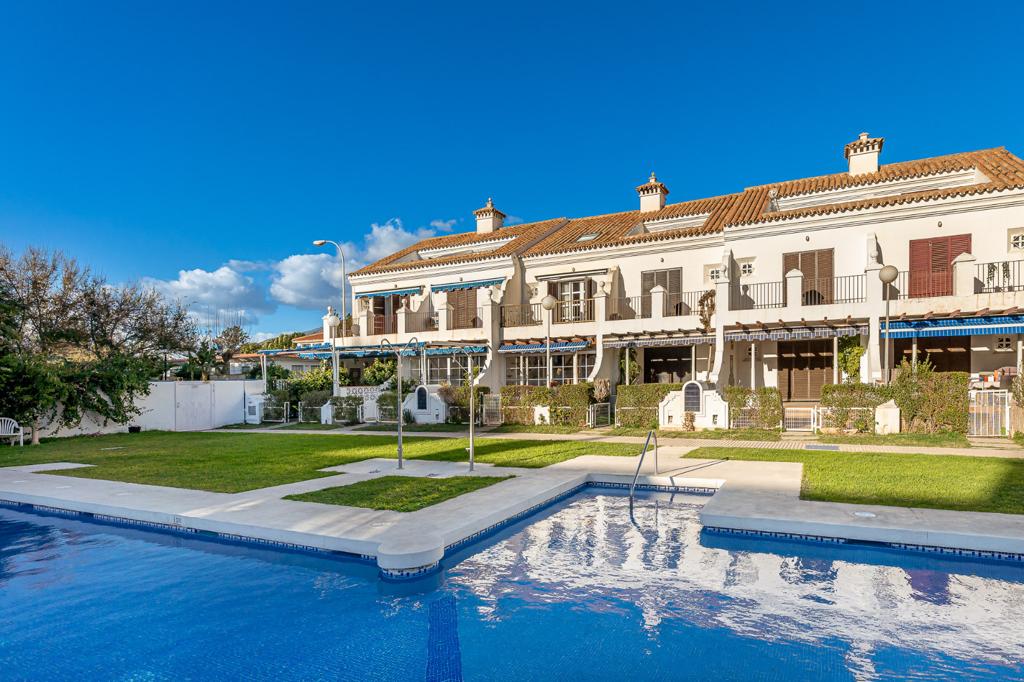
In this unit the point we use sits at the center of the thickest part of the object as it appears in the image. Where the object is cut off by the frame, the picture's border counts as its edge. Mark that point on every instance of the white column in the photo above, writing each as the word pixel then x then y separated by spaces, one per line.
pixel 576 367
pixel 1020 352
pixel 913 353
pixel 753 365
pixel 693 361
pixel 835 359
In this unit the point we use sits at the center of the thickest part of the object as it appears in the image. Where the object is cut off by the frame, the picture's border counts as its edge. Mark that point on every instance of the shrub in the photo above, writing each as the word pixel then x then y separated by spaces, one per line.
pixel 315 398
pixel 849 405
pixel 517 402
pixel 688 421
pixel 769 407
pixel 570 404
pixel 602 390
pixel 379 372
pixel 637 405
pixel 457 400
pixel 764 405
pixel 850 352
pixel 931 401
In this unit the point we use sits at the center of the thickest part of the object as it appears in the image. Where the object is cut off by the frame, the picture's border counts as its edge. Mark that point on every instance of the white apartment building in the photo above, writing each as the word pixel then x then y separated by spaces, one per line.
pixel 781 272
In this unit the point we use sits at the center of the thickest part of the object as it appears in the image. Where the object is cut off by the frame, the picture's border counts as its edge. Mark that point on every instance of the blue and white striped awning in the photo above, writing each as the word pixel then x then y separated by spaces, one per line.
pixel 468 285
pixel 660 343
pixel 540 347
pixel 390 292
pixel 456 350
pixel 279 351
pixel 376 351
pixel 796 334
pixel 959 326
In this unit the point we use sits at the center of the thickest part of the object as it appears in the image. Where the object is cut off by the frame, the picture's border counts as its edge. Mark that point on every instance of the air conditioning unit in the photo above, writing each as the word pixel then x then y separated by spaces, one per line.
pixel 254 409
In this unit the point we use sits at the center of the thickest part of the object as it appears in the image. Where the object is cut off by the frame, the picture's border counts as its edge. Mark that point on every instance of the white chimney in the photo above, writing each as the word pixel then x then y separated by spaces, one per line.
pixel 863 154
pixel 488 218
pixel 652 195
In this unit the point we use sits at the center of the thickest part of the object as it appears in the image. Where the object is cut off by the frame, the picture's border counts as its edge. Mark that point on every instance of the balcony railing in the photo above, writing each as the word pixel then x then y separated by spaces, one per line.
pixel 685 303
pixel 421 321
pixel 921 285
pixel 827 290
pixel 383 324
pixel 999 276
pixel 521 315
pixel 758 296
pixel 630 308
pixel 466 318
pixel 577 310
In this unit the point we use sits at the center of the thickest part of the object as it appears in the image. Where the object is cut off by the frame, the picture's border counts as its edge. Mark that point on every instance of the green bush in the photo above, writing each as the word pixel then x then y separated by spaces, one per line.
pixel 379 372
pixel 315 398
pixel 517 402
pixel 457 400
pixel 765 405
pixel 637 405
pixel 570 404
pixel 931 401
pixel 844 401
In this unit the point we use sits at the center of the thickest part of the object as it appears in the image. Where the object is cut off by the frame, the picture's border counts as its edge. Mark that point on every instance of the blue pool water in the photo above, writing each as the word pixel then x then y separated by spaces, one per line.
pixel 577 591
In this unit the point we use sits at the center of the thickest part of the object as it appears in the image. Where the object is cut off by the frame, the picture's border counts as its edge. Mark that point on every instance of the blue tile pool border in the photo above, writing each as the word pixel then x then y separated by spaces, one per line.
pixel 903 546
pixel 172 529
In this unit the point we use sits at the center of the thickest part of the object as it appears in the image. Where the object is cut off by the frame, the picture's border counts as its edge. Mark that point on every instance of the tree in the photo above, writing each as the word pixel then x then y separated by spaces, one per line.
pixel 76 344
pixel 229 342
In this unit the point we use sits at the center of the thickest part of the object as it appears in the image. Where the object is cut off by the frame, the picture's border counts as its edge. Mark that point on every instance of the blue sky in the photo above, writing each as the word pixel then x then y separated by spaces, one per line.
pixel 202 146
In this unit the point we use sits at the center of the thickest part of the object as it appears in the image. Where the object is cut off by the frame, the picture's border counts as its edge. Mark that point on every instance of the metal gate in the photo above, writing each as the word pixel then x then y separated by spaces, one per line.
pixel 989 413
pixel 491 410
pixel 599 414
pixel 799 419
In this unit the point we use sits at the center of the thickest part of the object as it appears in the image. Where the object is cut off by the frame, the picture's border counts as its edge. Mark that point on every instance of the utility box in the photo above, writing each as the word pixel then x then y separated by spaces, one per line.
pixel 254 409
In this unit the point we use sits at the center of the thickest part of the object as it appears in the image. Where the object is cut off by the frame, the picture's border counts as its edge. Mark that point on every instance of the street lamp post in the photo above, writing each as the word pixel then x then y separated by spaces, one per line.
pixel 548 303
pixel 332 324
pixel 887 275
pixel 344 305
pixel 387 346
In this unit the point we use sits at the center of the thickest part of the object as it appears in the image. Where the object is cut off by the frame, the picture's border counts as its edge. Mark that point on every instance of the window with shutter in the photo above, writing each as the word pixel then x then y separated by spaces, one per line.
pixel 931 264
pixel 818 272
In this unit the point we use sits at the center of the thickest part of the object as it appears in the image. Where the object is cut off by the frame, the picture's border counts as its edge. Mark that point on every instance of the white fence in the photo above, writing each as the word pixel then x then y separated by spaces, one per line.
pixel 177 406
pixel 989 413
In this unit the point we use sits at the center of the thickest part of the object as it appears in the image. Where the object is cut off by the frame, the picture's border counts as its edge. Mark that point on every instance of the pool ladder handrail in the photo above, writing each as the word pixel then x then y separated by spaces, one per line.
pixel 643 453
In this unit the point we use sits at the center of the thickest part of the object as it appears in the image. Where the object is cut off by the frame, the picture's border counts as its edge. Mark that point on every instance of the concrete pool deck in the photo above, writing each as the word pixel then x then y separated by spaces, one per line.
pixel 758 497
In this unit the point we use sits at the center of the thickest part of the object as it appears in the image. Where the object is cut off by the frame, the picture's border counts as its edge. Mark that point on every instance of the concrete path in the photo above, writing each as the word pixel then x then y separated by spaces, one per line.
pixel 751 496
pixel 1004 448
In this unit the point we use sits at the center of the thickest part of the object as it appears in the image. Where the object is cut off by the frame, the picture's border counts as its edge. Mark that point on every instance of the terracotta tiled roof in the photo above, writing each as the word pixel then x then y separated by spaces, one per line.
pixel 1003 170
pixel 525 235
pixel 617 229
pixel 316 336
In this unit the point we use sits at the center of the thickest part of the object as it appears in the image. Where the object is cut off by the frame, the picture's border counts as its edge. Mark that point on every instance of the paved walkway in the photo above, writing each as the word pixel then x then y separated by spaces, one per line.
pixel 1005 448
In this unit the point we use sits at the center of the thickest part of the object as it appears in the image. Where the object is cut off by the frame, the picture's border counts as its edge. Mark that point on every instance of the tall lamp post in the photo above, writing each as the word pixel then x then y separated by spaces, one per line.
pixel 332 324
pixel 399 350
pixel 888 275
pixel 344 305
pixel 548 303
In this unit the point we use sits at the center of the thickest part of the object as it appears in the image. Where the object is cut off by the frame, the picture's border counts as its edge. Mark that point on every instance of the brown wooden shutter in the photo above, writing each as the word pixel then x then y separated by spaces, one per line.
pixel 931 264
pixel 674 282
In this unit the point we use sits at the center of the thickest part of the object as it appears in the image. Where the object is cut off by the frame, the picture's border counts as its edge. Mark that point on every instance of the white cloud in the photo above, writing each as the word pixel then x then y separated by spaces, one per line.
pixel 443 225
pixel 216 295
pixel 259 337
pixel 313 281
pixel 513 220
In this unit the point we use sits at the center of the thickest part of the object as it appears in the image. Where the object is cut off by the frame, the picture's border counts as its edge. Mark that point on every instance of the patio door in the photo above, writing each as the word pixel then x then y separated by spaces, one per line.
pixel 671 280
pixel 571 297
pixel 804 367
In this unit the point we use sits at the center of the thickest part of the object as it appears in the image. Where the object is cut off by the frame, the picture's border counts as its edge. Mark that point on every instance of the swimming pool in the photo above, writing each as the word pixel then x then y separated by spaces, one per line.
pixel 577 590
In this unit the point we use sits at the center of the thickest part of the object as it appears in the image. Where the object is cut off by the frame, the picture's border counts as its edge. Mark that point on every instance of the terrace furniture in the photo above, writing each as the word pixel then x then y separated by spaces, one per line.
pixel 11 429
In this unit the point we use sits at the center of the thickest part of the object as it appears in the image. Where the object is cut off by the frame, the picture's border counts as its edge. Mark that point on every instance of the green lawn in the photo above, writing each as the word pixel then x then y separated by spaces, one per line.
pixel 711 434
pixel 989 484
pixel 399 493
pixel 534 428
pixel 946 439
pixel 422 428
pixel 233 462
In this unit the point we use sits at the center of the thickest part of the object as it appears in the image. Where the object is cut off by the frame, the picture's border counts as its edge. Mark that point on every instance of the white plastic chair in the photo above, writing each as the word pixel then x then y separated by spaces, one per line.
pixel 11 429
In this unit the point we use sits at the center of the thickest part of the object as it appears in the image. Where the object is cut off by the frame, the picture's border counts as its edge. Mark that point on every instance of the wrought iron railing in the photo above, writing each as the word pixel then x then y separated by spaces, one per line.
pixel 999 276
pixel 826 290
pixel 576 310
pixel 383 324
pixel 629 308
pixel 758 296
pixel 921 285
pixel 423 320
pixel 521 315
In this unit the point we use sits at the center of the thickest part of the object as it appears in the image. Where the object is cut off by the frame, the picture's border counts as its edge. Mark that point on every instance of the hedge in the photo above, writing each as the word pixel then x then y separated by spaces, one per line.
pixel 636 405
pixel 568 403
pixel 346 409
pixel 852 405
pixel 764 403
pixel 931 401
pixel 457 400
